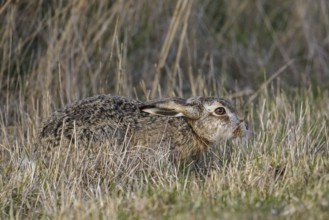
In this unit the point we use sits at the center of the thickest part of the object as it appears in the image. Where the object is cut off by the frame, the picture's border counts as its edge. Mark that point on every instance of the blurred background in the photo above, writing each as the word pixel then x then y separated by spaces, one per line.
pixel 54 52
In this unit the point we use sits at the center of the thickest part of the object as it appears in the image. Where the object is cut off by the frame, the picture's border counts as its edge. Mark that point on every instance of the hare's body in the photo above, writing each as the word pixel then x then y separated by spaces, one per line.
pixel 179 124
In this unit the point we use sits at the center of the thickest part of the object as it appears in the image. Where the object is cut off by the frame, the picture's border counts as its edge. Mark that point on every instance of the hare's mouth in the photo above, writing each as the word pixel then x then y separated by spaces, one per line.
pixel 241 129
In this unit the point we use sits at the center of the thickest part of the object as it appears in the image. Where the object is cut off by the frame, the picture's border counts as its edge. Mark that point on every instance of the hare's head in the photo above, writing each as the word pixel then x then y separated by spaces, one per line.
pixel 212 119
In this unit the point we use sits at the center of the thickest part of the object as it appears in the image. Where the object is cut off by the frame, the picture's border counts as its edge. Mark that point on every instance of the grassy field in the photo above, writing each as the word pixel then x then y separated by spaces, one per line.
pixel 271 59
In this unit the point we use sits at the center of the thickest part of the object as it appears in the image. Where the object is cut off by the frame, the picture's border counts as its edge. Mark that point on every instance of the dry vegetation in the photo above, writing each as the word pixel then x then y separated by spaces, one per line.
pixel 271 58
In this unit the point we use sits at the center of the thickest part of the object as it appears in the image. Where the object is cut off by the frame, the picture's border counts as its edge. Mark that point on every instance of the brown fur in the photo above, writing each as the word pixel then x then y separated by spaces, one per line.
pixel 105 119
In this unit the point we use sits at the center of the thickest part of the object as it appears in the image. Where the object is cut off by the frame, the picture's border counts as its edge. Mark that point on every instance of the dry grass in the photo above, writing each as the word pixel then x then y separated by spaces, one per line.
pixel 274 55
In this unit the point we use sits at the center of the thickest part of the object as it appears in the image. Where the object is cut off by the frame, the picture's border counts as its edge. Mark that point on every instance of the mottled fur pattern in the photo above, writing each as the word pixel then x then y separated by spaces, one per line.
pixel 186 126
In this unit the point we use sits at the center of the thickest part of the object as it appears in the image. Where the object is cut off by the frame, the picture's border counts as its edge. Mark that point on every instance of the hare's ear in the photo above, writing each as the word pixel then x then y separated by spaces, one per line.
pixel 163 112
pixel 174 107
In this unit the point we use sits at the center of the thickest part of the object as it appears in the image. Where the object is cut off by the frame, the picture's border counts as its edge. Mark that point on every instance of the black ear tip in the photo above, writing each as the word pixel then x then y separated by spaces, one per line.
pixel 142 107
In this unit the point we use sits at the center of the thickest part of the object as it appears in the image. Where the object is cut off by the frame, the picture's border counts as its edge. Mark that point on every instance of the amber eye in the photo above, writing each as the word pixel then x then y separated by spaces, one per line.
pixel 220 111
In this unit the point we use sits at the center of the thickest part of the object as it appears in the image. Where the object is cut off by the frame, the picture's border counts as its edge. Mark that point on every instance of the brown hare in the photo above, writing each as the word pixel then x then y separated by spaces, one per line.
pixel 187 127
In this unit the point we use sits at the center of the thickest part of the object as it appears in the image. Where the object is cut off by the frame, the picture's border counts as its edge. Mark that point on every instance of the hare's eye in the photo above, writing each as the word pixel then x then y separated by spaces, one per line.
pixel 220 111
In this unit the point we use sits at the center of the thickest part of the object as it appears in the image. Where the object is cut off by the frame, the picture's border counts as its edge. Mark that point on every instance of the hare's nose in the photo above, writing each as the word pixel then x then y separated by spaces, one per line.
pixel 245 123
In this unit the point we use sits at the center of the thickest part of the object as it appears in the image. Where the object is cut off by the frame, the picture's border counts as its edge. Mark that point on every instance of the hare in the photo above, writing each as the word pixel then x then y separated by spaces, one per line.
pixel 186 126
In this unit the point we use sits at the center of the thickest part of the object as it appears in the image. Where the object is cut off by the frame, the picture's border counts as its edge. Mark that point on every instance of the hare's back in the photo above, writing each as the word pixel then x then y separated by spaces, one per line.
pixel 95 117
